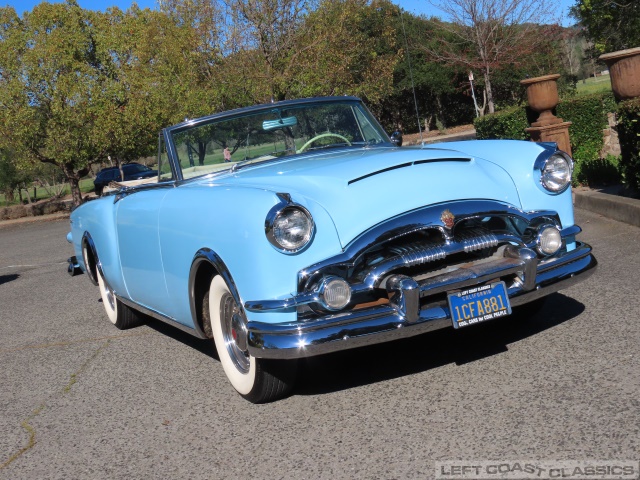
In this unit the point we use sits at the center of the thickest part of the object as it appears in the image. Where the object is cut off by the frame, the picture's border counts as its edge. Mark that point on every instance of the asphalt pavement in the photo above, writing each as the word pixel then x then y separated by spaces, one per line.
pixel 82 400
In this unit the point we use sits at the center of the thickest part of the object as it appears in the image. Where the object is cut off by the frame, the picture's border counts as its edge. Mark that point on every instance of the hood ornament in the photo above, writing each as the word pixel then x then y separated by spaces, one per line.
pixel 447 219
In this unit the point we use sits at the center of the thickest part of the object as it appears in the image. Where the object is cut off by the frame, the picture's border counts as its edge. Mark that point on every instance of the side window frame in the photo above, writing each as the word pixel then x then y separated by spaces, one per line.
pixel 164 158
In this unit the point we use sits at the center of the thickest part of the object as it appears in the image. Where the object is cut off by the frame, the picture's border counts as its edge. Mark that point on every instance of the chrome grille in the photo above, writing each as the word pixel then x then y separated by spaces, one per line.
pixel 418 253
pixel 476 239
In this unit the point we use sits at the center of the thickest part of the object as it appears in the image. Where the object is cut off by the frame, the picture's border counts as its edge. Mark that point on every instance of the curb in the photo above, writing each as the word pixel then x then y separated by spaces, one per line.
pixel 453 137
pixel 622 209
pixel 33 219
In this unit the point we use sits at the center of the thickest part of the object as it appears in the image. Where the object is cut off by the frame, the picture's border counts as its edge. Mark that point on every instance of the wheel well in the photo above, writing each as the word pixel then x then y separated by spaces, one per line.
pixel 204 274
pixel 89 256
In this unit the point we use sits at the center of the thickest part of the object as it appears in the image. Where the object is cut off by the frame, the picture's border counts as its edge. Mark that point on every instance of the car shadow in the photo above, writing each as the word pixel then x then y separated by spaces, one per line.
pixel 8 278
pixel 372 364
pixel 362 366
pixel 202 345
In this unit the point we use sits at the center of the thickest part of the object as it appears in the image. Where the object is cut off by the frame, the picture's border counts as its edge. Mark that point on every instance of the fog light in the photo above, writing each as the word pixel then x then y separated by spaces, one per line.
pixel 335 293
pixel 549 239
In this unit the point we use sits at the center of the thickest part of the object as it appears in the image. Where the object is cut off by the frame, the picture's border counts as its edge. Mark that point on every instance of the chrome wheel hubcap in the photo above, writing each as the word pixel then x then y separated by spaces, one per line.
pixel 234 333
pixel 108 293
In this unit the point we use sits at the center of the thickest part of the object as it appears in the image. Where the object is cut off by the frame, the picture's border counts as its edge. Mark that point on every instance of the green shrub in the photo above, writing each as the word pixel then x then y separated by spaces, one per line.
pixel 601 171
pixel 629 132
pixel 506 124
pixel 588 115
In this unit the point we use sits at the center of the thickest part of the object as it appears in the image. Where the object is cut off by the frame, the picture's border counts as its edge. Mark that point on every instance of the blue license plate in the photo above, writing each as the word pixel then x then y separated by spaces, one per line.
pixel 479 304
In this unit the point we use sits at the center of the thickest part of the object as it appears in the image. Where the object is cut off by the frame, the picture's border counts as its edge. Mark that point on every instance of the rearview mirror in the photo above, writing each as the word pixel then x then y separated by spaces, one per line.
pixel 396 138
pixel 280 123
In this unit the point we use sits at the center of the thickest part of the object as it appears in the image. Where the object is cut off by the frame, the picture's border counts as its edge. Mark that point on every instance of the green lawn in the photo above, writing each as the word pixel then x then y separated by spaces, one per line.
pixel 594 85
pixel 86 185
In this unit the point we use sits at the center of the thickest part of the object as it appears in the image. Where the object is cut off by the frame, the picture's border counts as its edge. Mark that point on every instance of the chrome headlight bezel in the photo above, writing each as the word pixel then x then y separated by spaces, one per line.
pixel 549 171
pixel 280 213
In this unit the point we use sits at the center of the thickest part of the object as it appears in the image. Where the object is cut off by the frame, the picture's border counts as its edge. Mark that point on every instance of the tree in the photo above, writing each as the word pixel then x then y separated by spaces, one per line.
pixel 262 43
pixel 78 87
pixel 439 91
pixel 347 47
pixel 50 80
pixel 610 24
pixel 149 66
pixel 10 175
pixel 485 35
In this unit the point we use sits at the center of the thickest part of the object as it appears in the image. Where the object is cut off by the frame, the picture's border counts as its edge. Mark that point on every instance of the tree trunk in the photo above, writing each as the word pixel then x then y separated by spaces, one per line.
pixel 202 151
pixel 76 194
pixel 26 189
pixel 9 196
pixel 488 90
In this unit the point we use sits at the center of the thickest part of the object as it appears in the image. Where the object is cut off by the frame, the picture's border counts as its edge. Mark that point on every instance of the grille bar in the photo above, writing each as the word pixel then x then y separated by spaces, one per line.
pixel 477 239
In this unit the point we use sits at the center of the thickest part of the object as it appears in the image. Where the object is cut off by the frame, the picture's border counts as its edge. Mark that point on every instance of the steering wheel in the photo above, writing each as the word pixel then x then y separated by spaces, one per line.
pixel 318 137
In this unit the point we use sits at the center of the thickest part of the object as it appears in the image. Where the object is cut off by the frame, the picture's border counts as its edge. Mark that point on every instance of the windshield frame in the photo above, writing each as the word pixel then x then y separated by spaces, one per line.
pixel 170 132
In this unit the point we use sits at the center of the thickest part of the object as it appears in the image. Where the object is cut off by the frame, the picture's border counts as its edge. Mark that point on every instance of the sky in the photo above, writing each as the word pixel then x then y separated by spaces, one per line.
pixel 414 6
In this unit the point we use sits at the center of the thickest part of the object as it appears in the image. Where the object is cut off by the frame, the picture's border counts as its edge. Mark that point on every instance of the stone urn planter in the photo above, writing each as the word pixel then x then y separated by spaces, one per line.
pixel 542 95
pixel 624 68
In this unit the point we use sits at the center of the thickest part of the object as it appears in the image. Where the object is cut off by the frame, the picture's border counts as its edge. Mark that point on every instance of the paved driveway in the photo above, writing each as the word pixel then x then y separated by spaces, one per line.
pixel 79 399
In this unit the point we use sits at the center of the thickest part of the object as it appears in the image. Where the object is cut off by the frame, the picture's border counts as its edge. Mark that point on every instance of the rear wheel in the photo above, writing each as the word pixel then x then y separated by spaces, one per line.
pixel 119 314
pixel 257 380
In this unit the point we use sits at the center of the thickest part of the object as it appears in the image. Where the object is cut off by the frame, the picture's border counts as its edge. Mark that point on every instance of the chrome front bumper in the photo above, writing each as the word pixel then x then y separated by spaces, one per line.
pixel 402 317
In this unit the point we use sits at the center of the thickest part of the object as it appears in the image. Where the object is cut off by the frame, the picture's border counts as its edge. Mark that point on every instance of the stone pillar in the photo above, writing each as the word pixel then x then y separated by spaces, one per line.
pixel 542 95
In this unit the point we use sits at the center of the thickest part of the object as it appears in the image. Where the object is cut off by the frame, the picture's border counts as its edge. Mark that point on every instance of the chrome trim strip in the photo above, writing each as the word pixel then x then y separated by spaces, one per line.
pixel 379 324
pixel 570 231
pixel 88 241
pixel 208 255
pixel 159 316
pixel 124 191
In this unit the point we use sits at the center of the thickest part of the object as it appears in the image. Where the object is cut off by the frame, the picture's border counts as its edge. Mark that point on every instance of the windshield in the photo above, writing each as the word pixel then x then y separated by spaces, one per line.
pixel 272 133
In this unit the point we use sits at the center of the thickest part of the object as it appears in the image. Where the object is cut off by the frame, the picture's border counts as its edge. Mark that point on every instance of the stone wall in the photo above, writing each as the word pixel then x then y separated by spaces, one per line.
pixel 35 209
pixel 610 138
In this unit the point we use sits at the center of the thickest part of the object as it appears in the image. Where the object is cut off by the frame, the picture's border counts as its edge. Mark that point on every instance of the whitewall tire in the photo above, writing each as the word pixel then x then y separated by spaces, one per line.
pixel 257 380
pixel 119 314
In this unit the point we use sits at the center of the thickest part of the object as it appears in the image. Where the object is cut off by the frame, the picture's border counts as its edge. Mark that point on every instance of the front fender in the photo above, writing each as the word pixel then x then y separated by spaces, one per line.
pixel 98 218
pixel 230 221
pixel 517 158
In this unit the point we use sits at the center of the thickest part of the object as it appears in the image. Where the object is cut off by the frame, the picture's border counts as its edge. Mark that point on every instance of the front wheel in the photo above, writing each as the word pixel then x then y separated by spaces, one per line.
pixel 119 314
pixel 257 380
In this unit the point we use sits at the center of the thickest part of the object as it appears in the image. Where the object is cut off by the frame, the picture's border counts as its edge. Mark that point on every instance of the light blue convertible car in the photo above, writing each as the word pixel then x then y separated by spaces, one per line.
pixel 298 228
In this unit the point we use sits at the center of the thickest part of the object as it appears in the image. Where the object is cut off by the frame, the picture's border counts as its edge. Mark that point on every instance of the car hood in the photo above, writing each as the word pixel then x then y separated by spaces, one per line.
pixel 362 188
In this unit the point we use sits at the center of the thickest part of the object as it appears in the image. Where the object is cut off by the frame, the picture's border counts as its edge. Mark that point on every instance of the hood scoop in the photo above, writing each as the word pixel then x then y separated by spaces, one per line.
pixel 408 164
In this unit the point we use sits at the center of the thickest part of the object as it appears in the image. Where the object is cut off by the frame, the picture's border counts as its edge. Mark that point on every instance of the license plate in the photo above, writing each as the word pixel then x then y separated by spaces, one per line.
pixel 479 304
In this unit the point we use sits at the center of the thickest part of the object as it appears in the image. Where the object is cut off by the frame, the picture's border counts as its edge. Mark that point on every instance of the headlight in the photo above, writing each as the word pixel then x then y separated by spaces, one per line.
pixel 555 172
pixel 289 228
